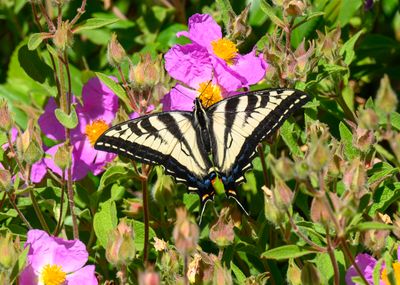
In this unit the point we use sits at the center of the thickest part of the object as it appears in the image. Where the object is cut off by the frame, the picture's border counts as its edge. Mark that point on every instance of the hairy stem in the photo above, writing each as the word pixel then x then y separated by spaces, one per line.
pixel 347 252
pixel 146 215
pixel 10 198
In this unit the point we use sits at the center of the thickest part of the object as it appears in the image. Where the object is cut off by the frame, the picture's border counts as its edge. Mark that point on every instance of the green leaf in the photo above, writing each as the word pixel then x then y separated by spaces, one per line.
pixel 19 265
pixel 286 132
pixel 33 65
pixel 348 48
pixel 384 196
pixel 381 170
pixel 240 277
pixel 271 14
pixel 347 9
pixel 395 120
pixel 138 228
pixel 94 23
pixel 347 139
pixel 286 252
pixel 371 226
pixel 36 39
pixel 69 121
pixel 114 86
pixel 105 221
pixel 112 174
pixel 225 8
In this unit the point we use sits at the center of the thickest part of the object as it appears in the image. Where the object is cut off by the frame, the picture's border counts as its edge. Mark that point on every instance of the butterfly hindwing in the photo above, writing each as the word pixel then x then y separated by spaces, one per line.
pixel 239 123
pixel 169 139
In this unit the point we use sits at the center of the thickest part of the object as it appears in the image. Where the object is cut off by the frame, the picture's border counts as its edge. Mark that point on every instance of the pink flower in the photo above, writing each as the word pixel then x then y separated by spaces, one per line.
pixel 210 56
pixel 53 260
pixel 95 115
pixel 367 264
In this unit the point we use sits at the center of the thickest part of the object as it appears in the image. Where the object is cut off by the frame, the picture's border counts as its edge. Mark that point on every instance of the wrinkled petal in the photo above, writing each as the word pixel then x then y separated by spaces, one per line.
pixel 28 276
pixel 84 275
pixel 226 78
pixel 99 102
pixel 102 158
pixel 366 263
pixel 71 255
pixel 49 124
pixel 179 98
pixel 203 30
pixel 189 63
pixel 251 67
pixel 38 171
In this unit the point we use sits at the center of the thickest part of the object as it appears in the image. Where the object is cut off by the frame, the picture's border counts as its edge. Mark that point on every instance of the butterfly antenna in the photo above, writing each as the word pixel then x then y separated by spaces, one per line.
pixel 240 204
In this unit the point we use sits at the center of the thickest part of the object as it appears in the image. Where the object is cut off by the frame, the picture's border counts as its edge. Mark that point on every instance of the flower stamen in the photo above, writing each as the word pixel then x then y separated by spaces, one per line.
pixel 225 49
pixel 209 94
pixel 53 275
pixel 94 130
pixel 396 269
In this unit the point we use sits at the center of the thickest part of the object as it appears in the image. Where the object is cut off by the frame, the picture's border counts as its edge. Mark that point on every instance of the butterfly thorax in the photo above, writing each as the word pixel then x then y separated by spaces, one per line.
pixel 201 121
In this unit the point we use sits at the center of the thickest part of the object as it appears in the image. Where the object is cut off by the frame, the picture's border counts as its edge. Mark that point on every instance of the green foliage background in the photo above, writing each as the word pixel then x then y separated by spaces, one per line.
pixel 347 149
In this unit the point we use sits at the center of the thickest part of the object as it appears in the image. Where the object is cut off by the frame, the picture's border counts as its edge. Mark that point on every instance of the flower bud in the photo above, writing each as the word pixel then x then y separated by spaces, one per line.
pixel 355 178
pixel 363 139
pixel 310 274
pixel 63 36
pixel 318 156
pixel 396 224
pixel 9 254
pixel 386 99
pixel 283 167
pixel 162 191
pixel 319 211
pixel 5 117
pixel 121 244
pixel 375 240
pixel 293 273
pixel 133 208
pixel 33 153
pixel 5 180
pixel 29 145
pixel 238 27
pixel 62 157
pixel 294 7
pixel 222 275
pixel 147 72
pixel 149 277
pixel 115 52
pixel 222 232
pixel 368 119
pixel 185 233
pixel 273 213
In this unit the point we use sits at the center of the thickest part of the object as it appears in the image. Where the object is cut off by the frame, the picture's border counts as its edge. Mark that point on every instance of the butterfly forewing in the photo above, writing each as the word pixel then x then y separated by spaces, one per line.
pixel 239 123
pixel 169 139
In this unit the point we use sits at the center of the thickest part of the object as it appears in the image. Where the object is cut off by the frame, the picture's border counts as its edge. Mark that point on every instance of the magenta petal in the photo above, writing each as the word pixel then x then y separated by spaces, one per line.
pixel 251 67
pixel 366 263
pixel 49 124
pixel 189 63
pixel 84 275
pixel 38 171
pixel 229 80
pixel 135 115
pixel 70 254
pixel 179 98
pixel 99 102
pixel 102 158
pixel 203 30
pixel 28 276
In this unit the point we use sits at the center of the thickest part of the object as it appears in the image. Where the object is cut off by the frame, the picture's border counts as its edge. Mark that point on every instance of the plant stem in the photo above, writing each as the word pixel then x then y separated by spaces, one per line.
pixel 260 150
pixel 79 13
pixel 18 211
pixel 336 274
pixel 146 215
pixel 347 252
pixel 38 212
pixel 59 222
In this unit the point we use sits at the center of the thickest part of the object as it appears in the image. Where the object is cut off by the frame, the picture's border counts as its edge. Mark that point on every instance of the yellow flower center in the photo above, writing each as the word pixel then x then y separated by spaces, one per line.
pixel 53 275
pixel 396 269
pixel 209 94
pixel 94 130
pixel 225 49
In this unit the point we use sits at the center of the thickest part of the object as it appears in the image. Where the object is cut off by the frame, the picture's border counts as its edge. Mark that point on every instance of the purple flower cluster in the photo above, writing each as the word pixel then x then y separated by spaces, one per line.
pixel 210 65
